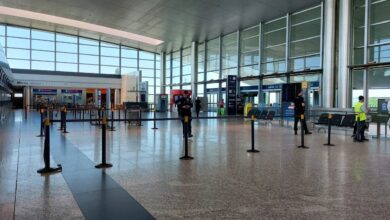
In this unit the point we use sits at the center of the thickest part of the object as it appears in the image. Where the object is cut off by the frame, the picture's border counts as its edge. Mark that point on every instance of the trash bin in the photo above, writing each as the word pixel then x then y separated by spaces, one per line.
pixel 247 108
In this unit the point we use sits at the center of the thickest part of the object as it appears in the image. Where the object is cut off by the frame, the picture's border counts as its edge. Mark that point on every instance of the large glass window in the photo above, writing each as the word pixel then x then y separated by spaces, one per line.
pixel 186 65
pixel 274 54
pixel 378 85
pixel 305 42
pixel 229 54
pixel 176 67
pixel 28 48
pixel 201 62
pixel 379 45
pixel 249 53
pixel 213 59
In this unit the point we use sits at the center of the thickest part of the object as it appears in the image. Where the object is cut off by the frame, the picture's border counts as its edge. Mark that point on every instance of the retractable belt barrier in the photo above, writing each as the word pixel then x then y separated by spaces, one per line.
pixel 42 111
pixel 302 133
pixel 46 152
pixel 329 130
pixel 104 164
pixel 186 128
pixel 253 150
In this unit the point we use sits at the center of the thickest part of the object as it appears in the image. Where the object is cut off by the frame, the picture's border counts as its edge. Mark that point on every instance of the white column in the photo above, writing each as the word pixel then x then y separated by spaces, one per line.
pixel 27 97
pixel 96 98
pixel 108 98
pixel 117 97
pixel 344 53
pixel 194 69
pixel 84 96
pixel 329 54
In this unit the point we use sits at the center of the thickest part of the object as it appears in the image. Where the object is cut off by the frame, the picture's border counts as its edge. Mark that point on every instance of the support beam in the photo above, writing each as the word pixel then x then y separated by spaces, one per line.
pixel 329 54
pixel 344 53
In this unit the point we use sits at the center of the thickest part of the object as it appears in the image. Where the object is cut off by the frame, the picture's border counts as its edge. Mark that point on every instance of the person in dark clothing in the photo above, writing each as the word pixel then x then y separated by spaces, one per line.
pixel 299 109
pixel 185 105
pixel 197 106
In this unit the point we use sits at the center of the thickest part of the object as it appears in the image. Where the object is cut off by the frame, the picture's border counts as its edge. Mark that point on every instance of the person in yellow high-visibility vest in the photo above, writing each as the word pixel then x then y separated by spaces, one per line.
pixel 360 112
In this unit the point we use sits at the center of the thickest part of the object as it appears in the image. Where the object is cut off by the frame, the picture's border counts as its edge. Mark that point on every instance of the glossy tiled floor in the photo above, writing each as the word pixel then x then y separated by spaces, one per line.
pixel 348 181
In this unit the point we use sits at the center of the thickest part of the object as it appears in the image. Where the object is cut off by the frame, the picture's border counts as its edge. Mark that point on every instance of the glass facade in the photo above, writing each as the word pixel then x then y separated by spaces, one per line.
pixel 291 44
pixel 34 49
pixel 370 19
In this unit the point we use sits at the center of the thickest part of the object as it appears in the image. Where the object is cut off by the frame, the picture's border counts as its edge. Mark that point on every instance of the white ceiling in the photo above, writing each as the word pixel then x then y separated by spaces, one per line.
pixel 176 22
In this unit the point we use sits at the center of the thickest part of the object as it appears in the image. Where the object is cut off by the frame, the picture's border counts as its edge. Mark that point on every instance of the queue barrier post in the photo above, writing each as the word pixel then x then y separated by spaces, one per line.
pixel 329 129
pixel 64 119
pixel 253 150
pixel 104 164
pixel 186 156
pixel 46 152
pixel 154 120
pixel 112 120
pixel 41 124
pixel 302 133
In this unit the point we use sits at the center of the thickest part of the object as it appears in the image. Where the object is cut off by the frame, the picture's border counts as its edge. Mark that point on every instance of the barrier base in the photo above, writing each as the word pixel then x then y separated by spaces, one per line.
pixel 186 158
pixel 329 145
pixel 154 128
pixel 65 132
pixel 40 135
pixel 112 129
pixel 253 151
pixel 103 165
pixel 304 147
pixel 50 170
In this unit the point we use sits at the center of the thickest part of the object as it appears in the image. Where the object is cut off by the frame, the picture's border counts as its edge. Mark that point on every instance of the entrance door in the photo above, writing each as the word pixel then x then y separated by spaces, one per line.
pixel 314 97
pixel 272 98
pixel 212 99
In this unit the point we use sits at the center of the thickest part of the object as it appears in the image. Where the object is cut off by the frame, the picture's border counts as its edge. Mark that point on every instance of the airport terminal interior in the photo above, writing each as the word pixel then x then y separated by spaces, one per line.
pixel 194 109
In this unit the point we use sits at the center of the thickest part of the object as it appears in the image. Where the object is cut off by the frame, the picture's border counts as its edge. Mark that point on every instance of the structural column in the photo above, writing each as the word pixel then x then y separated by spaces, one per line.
pixel 344 53
pixel 329 54
pixel 194 69
pixel 27 97
pixel 96 98
pixel 162 73
pixel 108 98
pixel 117 97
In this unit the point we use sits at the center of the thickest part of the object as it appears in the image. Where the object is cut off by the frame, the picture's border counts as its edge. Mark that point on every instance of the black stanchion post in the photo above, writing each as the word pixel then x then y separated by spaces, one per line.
pixel 25 112
pixel 154 120
pixel 42 123
pixel 119 113
pixel 99 116
pixel 125 110
pixel 186 156
pixel 140 117
pixel 65 131
pixel 51 115
pixel 329 130
pixel 302 133
pixel 104 164
pixel 253 150
pixel 112 120
pixel 46 152
pixel 83 113
pixel 61 119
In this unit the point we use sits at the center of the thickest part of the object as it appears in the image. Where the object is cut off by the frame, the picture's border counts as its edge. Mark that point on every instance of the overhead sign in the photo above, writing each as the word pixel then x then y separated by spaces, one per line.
pixel 304 85
pixel 71 91
pixel 44 91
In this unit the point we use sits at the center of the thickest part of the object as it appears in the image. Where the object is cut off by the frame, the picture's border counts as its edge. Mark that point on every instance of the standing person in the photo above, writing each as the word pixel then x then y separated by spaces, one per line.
pixel 299 109
pixel 360 112
pixel 197 106
pixel 185 105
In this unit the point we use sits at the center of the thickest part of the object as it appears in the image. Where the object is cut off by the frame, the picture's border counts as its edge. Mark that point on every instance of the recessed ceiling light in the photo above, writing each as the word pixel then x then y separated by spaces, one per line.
pixel 77 24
